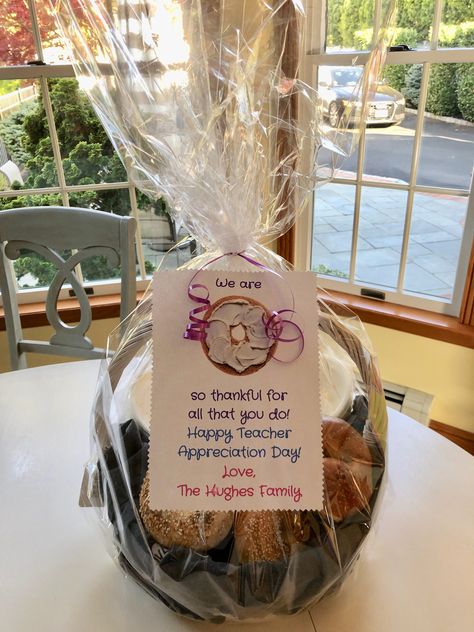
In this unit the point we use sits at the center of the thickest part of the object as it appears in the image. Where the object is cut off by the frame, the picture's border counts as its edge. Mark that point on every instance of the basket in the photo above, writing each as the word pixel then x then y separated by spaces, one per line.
pixel 209 586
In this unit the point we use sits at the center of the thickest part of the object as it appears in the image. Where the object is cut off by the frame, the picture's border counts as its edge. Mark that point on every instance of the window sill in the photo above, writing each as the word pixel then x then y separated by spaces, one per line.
pixel 34 315
pixel 409 319
pixel 390 315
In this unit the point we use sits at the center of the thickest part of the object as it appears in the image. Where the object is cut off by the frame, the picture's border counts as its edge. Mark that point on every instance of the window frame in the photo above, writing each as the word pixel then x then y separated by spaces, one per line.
pixel 41 72
pixel 314 46
pixel 315 56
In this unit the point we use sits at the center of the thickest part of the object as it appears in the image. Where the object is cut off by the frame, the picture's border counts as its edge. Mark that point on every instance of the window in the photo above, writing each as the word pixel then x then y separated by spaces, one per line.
pixel 397 221
pixel 54 151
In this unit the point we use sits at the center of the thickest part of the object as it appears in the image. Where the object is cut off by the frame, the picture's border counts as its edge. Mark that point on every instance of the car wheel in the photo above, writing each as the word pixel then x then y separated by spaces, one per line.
pixel 333 114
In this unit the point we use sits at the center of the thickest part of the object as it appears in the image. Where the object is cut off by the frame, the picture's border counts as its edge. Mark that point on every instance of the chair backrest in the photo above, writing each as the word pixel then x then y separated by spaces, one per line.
pixel 48 231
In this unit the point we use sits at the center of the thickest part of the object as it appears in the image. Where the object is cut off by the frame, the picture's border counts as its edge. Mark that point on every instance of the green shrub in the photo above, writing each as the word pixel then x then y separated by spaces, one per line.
pixel 411 90
pixel 32 263
pixel 456 35
pixel 450 86
pixel 9 85
pixel 334 37
pixel 454 11
pixel 11 131
pixel 355 15
pixel 416 15
pixel 394 75
pixel 465 90
pixel 441 97
pixel 322 269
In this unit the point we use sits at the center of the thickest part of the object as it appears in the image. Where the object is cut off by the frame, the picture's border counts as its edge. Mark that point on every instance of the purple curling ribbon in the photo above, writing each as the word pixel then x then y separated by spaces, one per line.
pixel 196 328
pixel 275 325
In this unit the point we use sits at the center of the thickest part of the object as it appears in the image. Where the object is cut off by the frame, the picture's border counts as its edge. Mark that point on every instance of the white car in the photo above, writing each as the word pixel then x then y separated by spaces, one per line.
pixel 336 87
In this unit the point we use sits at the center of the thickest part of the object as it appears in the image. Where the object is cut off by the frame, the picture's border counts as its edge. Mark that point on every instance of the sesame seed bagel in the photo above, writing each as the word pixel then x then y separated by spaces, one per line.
pixel 198 530
pixel 262 536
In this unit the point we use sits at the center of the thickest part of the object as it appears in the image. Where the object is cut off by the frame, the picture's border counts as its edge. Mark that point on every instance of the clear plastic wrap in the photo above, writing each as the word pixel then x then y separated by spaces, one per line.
pixel 203 101
pixel 266 563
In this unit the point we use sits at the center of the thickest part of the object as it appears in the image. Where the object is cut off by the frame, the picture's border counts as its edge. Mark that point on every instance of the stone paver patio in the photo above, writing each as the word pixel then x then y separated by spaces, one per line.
pixel 435 237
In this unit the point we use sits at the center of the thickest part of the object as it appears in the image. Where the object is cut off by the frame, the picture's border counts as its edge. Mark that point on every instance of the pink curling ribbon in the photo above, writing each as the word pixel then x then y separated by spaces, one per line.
pixel 275 325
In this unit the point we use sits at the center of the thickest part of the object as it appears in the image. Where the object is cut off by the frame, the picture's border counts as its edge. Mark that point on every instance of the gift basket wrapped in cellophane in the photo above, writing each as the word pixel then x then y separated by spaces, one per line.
pixel 205 102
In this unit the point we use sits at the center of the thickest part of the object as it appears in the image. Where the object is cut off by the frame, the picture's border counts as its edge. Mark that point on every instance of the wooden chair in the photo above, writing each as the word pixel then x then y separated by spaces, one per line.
pixel 48 231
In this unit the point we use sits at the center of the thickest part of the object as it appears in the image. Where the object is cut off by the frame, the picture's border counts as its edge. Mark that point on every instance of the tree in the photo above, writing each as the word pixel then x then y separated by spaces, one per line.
pixel 16 39
pixel 88 158
pixel 334 12
pixel 356 15
pixel 457 11
pixel 16 36
pixel 411 90
pixel 417 15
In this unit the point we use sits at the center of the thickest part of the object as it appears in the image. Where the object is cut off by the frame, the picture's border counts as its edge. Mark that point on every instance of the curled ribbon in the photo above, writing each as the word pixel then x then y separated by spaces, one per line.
pixel 275 325
pixel 196 328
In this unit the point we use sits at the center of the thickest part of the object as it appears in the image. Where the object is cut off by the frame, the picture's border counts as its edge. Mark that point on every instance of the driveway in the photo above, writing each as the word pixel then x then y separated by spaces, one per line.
pixel 446 158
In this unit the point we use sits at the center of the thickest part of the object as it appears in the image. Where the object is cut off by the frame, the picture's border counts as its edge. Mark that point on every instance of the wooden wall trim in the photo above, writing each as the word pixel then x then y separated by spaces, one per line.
pixel 286 245
pixel 408 319
pixel 34 314
pixel 287 39
pixel 463 438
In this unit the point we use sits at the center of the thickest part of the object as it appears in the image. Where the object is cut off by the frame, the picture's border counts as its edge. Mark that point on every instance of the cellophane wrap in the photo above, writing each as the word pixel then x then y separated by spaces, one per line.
pixel 205 103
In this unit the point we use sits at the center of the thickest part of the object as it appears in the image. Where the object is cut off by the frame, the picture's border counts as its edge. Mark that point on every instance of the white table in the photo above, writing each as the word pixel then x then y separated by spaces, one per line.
pixel 414 575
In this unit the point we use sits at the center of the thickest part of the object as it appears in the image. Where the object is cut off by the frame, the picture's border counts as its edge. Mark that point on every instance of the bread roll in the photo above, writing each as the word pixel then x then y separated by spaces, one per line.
pixel 341 441
pixel 198 530
pixel 346 491
pixel 262 536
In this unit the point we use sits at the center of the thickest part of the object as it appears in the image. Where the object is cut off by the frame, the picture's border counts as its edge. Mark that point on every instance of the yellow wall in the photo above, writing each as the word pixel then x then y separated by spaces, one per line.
pixel 439 368
pixel 444 370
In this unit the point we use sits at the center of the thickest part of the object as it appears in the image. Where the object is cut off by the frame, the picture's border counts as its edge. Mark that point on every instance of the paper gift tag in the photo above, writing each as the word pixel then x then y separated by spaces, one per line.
pixel 235 420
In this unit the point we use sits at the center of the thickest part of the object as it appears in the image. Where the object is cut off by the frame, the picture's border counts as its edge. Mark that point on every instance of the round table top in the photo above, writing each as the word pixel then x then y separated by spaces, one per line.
pixel 414 573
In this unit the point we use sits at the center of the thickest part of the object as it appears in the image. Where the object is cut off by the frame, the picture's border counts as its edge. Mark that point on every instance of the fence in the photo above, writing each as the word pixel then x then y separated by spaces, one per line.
pixel 13 100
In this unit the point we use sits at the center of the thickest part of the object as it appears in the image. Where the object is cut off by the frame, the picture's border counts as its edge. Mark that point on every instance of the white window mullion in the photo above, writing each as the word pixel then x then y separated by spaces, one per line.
pixel 415 159
pixel 69 188
pixel 465 252
pixel 134 208
pixel 315 34
pixel 438 7
pixel 400 186
pixel 35 29
pixel 361 156
pixel 437 16
pixel 358 195
pixel 57 157
pixel 58 71
pixel 51 123
pixel 54 140
pixel 359 58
